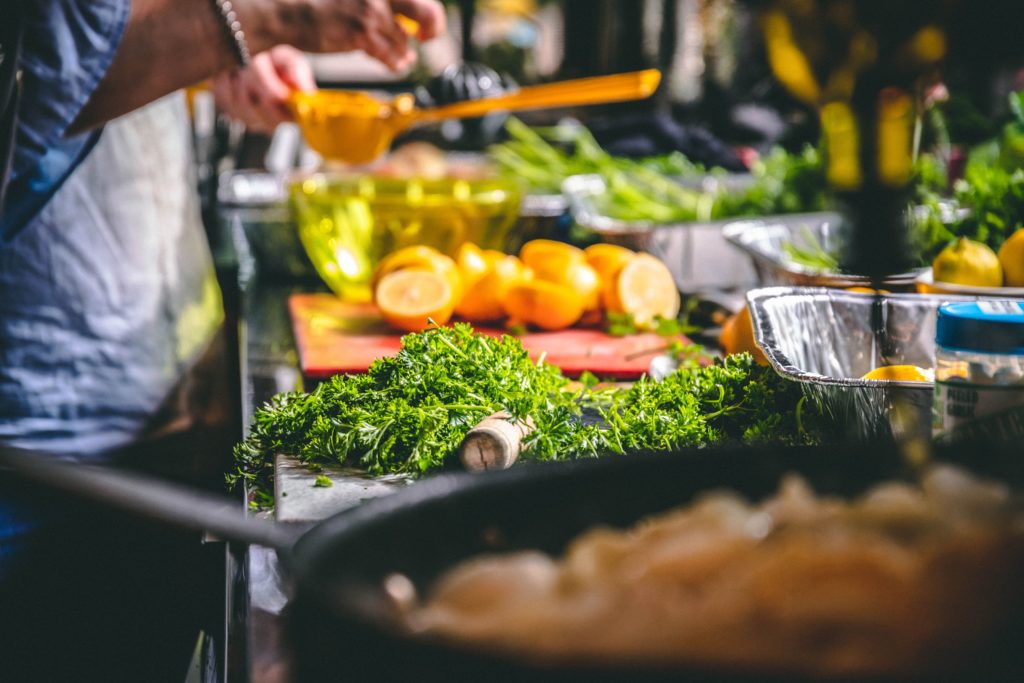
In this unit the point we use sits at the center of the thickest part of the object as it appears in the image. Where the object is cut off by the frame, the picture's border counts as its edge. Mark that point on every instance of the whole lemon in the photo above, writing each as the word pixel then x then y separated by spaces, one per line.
pixel 1011 257
pixel 966 262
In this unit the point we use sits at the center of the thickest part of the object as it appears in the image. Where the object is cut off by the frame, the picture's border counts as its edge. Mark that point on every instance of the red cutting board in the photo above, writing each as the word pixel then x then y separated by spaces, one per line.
pixel 334 337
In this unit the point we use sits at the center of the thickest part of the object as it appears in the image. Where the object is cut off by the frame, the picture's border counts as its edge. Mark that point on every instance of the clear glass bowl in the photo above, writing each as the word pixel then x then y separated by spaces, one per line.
pixel 347 224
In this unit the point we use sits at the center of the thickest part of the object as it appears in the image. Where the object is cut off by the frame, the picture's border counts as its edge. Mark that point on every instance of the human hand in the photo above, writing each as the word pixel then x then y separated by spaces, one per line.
pixel 368 25
pixel 258 94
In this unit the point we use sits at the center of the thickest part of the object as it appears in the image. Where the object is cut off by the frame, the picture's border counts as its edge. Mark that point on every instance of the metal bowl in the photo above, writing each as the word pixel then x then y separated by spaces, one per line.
pixel 695 251
pixel 926 284
pixel 765 241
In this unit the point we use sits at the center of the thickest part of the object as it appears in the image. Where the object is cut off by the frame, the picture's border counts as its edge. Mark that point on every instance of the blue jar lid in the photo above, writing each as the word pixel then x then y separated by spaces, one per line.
pixel 982 326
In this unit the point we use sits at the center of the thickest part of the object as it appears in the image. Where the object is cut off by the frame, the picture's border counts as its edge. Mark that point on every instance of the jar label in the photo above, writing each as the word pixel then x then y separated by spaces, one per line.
pixel 1001 307
pixel 976 411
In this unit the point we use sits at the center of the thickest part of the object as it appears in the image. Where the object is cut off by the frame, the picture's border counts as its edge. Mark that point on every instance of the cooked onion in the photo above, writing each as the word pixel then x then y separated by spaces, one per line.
pixel 903 579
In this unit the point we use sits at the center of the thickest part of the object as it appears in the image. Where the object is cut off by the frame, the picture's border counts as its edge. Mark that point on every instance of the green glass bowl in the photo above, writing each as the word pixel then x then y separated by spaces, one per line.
pixel 347 224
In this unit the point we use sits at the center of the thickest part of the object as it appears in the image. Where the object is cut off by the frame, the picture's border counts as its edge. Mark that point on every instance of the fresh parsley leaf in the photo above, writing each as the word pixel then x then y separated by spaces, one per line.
pixel 409 413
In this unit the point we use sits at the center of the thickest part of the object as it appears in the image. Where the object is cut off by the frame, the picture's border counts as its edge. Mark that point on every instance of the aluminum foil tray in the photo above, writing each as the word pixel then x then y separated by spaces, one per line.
pixel 764 240
pixel 696 252
pixel 828 339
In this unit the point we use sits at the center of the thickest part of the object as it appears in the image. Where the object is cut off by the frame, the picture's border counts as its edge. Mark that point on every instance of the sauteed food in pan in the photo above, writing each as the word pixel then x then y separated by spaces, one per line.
pixel 902 579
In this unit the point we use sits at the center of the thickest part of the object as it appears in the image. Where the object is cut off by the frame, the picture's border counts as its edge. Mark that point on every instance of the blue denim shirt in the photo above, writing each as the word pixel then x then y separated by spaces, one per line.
pixel 69 45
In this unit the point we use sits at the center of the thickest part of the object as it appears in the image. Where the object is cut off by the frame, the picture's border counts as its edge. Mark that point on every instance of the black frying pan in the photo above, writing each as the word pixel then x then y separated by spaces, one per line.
pixel 339 620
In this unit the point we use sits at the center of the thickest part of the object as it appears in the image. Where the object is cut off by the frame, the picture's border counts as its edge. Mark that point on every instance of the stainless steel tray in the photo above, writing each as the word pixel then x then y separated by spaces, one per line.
pixel 764 240
pixel 696 252
pixel 828 339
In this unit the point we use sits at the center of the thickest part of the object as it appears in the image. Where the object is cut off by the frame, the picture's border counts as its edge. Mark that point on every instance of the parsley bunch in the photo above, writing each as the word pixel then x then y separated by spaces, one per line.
pixel 409 413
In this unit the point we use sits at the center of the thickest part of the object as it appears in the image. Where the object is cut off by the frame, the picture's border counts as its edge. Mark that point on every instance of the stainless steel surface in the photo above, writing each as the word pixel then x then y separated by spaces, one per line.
pixel 257 202
pixel 297 498
pixel 765 240
pixel 696 252
pixel 543 206
pixel 828 339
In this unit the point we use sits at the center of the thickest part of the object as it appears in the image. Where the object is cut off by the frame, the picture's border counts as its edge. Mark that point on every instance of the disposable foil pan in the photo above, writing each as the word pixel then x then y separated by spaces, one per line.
pixel 765 241
pixel 828 339
pixel 696 252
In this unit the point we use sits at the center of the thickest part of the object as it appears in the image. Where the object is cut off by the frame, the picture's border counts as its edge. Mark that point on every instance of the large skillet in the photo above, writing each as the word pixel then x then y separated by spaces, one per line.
pixel 339 620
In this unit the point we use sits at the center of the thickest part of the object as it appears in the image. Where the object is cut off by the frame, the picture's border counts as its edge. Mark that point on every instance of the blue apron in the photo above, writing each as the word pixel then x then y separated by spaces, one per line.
pixel 107 295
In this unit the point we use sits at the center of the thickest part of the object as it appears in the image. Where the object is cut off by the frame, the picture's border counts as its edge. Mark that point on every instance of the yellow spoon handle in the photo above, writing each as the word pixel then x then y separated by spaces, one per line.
pixel 635 85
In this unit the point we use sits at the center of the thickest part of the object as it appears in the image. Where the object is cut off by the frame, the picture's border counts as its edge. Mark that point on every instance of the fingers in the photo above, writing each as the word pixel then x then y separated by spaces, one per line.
pixel 429 14
pixel 264 80
pixel 252 107
pixel 293 68
pixel 239 95
pixel 384 39
pixel 371 26
pixel 388 48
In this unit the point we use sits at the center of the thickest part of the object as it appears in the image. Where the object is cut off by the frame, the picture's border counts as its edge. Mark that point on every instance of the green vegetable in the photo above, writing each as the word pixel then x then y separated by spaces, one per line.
pixel 323 481
pixel 994 198
pixel 623 325
pixel 648 189
pixel 783 183
pixel 409 413
pixel 811 254
pixel 992 191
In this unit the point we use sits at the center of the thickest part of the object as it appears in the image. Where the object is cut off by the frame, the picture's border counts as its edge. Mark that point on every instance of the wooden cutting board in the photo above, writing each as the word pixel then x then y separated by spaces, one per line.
pixel 334 337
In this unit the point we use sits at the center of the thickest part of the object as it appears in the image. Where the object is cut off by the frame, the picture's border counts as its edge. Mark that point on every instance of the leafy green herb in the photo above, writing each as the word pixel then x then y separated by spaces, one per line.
pixel 323 481
pixel 409 413
pixel 994 198
pixel 689 356
pixel 624 324
pixel 811 254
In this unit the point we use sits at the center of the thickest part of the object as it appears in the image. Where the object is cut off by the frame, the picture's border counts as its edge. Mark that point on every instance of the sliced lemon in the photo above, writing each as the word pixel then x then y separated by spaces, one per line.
pixel 901 373
pixel 421 257
pixel 644 288
pixel 411 299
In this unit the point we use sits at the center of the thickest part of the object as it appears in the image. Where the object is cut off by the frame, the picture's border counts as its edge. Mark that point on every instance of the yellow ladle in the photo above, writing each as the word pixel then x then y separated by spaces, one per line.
pixel 357 128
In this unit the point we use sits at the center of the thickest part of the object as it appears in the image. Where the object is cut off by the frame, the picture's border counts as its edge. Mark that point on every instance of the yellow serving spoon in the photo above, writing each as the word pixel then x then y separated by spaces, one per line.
pixel 357 128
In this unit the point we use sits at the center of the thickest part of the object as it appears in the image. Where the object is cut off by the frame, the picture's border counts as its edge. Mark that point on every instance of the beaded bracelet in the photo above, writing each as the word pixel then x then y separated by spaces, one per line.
pixel 234 30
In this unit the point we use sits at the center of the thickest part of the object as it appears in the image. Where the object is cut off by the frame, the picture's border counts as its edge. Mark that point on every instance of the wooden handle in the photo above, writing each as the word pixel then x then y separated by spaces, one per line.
pixel 494 444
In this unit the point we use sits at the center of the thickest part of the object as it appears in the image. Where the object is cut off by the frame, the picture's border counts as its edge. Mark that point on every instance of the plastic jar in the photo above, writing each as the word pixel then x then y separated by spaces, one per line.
pixel 979 371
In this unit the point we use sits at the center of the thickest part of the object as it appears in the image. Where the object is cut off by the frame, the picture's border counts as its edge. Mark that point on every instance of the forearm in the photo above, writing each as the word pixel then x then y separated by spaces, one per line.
pixel 171 44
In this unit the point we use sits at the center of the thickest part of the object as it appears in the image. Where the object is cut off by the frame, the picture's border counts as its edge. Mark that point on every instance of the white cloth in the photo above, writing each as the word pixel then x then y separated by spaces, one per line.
pixel 109 294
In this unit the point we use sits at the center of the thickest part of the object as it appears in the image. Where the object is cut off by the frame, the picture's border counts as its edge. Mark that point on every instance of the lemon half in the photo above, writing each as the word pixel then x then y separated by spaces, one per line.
pixel 902 373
